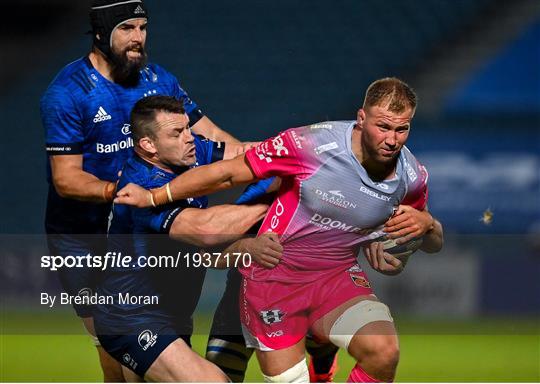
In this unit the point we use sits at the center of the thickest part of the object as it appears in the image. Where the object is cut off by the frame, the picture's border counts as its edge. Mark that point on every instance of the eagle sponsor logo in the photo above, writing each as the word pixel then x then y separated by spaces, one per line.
pixel 334 197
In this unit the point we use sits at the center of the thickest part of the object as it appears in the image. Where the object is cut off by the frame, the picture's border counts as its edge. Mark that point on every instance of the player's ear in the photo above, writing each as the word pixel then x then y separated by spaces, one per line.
pixel 360 117
pixel 147 144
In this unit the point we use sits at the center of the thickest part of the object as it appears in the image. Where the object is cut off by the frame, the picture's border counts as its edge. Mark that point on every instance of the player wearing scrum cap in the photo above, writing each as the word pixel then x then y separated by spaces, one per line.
pixel 341 183
pixel 85 113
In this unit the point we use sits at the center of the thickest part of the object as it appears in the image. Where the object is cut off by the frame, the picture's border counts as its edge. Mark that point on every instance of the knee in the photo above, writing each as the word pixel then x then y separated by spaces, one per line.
pixel 297 374
pixel 387 354
pixel 380 351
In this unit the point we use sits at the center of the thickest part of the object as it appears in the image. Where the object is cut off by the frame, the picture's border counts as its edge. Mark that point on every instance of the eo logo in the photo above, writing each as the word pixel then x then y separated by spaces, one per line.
pixel 147 339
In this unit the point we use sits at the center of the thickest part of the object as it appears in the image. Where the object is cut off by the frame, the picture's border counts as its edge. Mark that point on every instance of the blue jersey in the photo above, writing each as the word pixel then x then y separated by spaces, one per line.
pixel 255 191
pixel 136 232
pixel 85 114
pixel 131 220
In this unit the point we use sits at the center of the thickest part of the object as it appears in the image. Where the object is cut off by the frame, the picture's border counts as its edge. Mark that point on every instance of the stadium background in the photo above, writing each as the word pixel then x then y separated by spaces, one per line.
pixel 469 313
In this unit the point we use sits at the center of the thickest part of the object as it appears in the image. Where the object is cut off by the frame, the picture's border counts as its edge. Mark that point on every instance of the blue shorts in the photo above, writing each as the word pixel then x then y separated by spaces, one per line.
pixel 80 280
pixel 136 334
pixel 138 349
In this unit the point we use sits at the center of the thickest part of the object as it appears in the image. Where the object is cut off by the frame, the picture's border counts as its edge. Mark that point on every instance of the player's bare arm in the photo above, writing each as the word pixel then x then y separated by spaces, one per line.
pixel 71 181
pixel 195 182
pixel 208 129
pixel 265 250
pixel 433 239
pixel 274 187
pixel 215 225
pixel 235 149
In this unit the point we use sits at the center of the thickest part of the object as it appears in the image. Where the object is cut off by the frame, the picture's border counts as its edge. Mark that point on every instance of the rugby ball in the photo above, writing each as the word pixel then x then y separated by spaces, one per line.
pixel 402 251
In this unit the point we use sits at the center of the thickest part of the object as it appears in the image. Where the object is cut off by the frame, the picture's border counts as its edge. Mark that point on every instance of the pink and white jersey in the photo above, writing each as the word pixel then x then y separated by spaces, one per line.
pixel 327 206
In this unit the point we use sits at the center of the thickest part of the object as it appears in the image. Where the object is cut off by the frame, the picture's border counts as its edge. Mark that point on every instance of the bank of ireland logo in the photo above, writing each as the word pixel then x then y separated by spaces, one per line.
pixel 272 316
pixel 126 129
pixel 126 358
pixel 147 339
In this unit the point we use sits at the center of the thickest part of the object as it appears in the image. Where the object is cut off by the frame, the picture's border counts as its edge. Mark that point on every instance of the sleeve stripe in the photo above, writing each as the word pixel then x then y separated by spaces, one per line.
pixel 195 116
pixel 167 222
pixel 218 151
pixel 64 148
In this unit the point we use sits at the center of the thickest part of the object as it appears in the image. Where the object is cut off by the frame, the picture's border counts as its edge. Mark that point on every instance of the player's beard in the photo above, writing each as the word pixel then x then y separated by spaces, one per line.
pixel 125 71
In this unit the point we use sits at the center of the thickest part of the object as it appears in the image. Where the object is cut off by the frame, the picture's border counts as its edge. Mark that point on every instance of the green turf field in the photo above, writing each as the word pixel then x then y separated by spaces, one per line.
pixel 481 350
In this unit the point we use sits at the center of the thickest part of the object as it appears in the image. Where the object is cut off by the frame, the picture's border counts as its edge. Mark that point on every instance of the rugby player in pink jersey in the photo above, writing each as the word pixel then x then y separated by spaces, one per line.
pixel 345 185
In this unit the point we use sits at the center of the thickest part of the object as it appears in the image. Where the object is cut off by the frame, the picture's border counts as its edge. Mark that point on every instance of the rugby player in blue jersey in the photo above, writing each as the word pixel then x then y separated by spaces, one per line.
pixel 85 112
pixel 153 340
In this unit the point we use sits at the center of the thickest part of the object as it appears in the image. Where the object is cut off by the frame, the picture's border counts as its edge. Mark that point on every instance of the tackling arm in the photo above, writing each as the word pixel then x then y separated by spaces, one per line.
pixel 212 178
pixel 70 181
pixel 195 182
pixel 265 250
pixel 235 149
pixel 215 225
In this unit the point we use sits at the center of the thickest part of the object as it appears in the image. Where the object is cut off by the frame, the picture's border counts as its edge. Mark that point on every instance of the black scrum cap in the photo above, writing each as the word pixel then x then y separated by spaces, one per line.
pixel 107 15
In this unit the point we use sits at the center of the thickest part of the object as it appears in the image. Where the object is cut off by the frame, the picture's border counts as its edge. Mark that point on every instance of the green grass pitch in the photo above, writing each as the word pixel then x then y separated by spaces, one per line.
pixel 436 351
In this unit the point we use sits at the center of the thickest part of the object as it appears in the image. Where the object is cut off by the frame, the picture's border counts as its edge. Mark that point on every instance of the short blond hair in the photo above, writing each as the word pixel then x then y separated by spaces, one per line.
pixel 391 92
